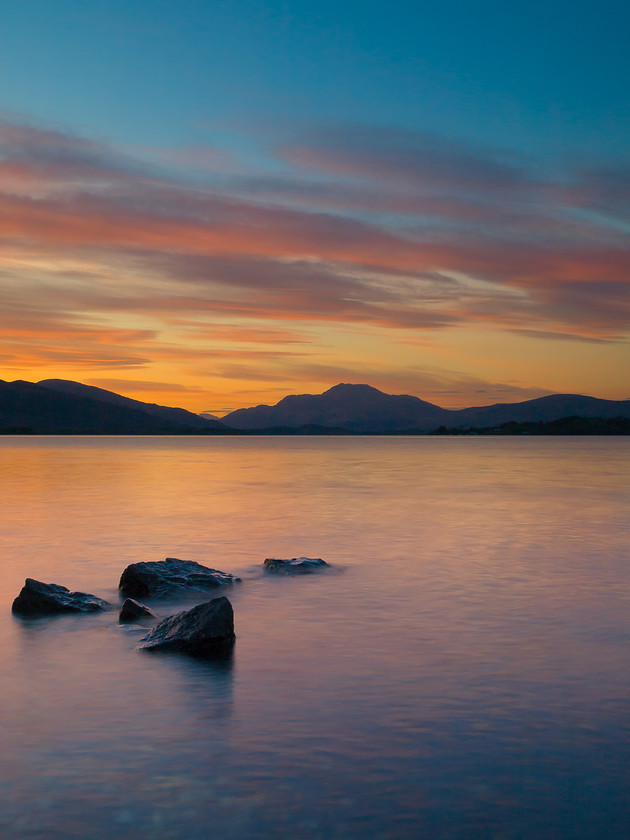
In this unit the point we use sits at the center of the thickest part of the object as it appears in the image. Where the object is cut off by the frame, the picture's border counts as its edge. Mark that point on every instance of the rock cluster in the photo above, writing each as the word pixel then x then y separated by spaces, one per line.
pixel 133 610
pixel 37 598
pixel 294 566
pixel 204 630
pixel 163 578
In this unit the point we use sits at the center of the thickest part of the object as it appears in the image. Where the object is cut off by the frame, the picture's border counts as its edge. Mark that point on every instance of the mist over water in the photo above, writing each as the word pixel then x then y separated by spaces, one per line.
pixel 461 674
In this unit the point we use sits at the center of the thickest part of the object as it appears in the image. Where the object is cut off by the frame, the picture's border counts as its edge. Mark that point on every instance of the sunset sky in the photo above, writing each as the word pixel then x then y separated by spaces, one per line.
pixel 215 204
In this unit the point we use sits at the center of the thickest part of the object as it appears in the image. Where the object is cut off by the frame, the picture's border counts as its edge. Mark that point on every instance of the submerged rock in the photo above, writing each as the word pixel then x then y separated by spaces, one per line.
pixel 37 598
pixel 205 630
pixel 295 566
pixel 132 610
pixel 162 578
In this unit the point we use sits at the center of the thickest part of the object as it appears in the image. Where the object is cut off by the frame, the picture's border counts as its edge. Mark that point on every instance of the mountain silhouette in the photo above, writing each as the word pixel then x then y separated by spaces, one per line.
pixel 543 409
pixel 361 408
pixel 358 408
pixel 175 416
pixel 27 407
pixel 58 406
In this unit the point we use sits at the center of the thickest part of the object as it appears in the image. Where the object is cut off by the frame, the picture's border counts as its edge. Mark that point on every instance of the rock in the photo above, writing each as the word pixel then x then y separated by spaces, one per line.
pixel 162 578
pixel 132 610
pixel 205 630
pixel 38 598
pixel 295 566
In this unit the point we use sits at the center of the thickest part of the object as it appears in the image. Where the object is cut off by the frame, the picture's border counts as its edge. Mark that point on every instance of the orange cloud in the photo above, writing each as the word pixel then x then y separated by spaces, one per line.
pixel 111 262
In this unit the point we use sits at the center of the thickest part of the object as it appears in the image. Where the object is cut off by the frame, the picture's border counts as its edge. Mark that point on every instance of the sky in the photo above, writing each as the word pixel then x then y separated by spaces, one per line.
pixel 215 204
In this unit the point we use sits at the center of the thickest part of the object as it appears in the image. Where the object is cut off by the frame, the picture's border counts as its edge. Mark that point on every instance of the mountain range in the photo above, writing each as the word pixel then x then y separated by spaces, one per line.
pixel 361 408
pixel 58 406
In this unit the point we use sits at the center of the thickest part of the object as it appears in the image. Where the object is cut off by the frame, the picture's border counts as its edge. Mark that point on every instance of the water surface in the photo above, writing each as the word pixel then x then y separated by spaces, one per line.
pixel 464 674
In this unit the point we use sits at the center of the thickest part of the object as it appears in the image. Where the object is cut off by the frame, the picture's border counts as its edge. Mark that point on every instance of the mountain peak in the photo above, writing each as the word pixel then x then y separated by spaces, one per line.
pixel 355 407
pixel 352 389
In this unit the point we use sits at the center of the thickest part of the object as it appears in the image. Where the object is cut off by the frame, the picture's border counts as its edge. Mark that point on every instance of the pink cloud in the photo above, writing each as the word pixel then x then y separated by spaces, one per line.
pixel 200 250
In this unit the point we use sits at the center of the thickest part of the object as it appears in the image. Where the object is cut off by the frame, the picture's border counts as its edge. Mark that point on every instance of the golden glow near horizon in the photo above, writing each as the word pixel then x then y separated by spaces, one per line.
pixel 214 300
pixel 236 366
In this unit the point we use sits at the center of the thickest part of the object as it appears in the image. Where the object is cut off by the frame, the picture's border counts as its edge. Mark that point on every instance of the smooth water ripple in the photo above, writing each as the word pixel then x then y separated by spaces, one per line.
pixel 462 674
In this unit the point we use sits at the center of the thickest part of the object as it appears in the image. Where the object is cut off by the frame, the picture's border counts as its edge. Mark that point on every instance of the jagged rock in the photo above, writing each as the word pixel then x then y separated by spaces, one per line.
pixel 205 630
pixel 132 610
pixel 294 566
pixel 38 598
pixel 162 578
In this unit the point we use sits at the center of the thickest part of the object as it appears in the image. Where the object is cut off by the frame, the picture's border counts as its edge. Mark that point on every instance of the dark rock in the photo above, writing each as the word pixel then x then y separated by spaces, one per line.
pixel 162 578
pixel 205 630
pixel 38 598
pixel 295 566
pixel 132 610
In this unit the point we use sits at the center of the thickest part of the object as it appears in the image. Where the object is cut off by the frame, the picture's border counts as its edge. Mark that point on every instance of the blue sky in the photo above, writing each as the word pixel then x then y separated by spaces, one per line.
pixel 548 78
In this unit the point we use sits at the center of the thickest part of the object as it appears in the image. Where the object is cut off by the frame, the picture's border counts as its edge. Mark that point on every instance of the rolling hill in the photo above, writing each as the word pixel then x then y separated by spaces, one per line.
pixel 27 407
pixel 56 406
pixel 361 408
pixel 175 416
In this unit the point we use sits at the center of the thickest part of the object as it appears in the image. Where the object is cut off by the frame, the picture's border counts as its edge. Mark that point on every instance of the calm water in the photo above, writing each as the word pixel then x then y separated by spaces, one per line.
pixel 464 675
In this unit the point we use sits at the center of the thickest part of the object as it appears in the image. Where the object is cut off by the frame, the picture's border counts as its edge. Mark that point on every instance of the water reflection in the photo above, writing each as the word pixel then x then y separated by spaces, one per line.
pixel 207 684
pixel 465 678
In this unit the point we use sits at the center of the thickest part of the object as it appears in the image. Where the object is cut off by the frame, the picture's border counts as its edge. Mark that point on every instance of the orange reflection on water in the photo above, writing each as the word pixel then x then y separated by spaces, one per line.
pixel 474 627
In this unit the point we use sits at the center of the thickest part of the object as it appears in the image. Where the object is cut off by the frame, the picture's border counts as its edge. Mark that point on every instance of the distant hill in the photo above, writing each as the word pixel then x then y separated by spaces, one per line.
pixel 543 410
pixel 357 408
pixel 361 408
pixel 175 416
pixel 563 426
pixel 30 408
pixel 58 406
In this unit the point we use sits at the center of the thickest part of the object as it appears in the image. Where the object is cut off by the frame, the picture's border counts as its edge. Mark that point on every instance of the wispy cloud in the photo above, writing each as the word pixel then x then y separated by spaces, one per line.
pixel 117 258
pixel 413 159
pixel 142 386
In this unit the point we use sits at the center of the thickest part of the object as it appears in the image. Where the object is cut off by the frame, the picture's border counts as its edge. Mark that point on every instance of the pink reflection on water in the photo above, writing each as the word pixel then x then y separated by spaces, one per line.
pixel 478 625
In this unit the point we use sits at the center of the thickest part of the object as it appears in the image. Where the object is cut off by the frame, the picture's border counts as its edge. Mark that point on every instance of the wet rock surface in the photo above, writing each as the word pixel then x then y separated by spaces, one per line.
pixel 37 598
pixel 205 630
pixel 295 566
pixel 133 610
pixel 163 578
